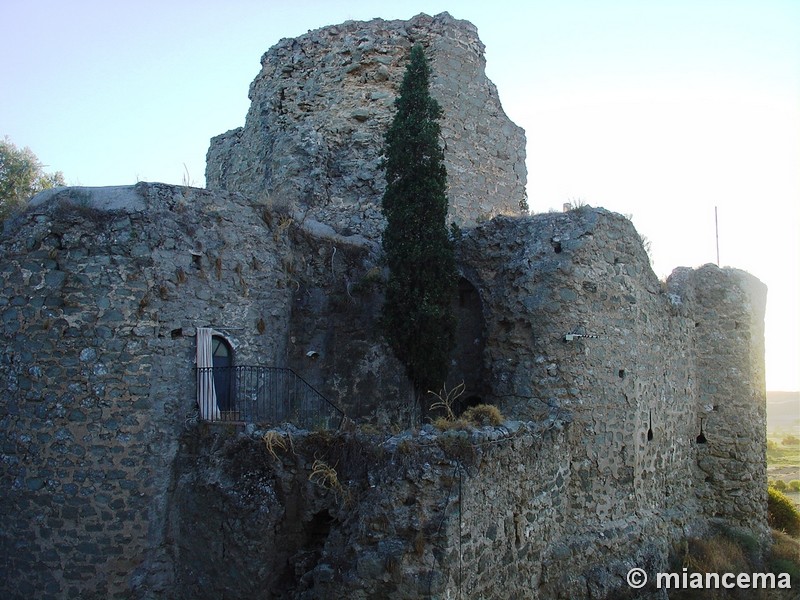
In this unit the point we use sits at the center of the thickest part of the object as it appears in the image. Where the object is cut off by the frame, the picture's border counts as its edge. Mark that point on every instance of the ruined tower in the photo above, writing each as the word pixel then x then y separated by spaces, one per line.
pixel 313 139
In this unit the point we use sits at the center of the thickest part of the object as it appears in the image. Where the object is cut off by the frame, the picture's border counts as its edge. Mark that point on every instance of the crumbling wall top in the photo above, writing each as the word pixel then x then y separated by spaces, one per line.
pixel 321 105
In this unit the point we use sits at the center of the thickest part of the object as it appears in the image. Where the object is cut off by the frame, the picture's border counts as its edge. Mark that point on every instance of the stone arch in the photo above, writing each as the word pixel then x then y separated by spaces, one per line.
pixel 467 357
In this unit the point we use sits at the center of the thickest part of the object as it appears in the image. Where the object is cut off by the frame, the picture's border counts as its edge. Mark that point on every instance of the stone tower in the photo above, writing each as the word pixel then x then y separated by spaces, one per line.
pixel 313 139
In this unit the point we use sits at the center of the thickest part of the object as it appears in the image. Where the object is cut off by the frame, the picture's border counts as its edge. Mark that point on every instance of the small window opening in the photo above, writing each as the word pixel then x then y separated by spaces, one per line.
pixel 557 247
pixel 176 333
pixel 650 428
pixel 621 373
pixel 701 439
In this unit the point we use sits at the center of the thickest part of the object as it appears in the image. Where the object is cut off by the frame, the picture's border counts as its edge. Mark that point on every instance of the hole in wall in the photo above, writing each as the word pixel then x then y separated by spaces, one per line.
pixel 176 333
pixel 465 403
pixel 696 325
pixel 701 439
pixel 621 373
pixel 318 528
pixel 557 247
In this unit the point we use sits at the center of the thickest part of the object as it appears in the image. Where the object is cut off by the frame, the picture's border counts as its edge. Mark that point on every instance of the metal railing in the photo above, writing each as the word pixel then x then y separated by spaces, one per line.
pixel 274 395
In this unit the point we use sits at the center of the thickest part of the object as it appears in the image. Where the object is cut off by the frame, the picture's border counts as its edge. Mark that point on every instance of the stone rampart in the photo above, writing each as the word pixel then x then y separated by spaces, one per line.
pixel 103 291
pixel 634 408
pixel 100 303
pixel 323 101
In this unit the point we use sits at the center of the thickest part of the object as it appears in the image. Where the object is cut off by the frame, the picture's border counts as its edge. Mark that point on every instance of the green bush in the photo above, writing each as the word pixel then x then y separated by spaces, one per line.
pixel 790 440
pixel 782 513
pixel 779 485
pixel 794 485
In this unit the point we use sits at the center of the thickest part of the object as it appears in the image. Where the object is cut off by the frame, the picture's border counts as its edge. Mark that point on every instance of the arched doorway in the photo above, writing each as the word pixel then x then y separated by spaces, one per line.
pixel 222 357
pixel 467 357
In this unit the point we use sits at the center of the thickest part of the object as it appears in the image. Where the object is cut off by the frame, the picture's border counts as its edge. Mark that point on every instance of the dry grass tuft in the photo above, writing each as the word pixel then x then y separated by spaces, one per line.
pixel 325 476
pixel 447 399
pixel 274 440
pixel 483 414
pixel 445 424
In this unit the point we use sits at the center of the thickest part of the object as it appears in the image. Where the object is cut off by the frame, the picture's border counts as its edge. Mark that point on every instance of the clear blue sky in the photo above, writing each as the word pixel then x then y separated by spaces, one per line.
pixel 662 109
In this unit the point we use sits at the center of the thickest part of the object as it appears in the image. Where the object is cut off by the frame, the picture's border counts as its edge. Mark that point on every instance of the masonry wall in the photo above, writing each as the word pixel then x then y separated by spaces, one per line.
pixel 416 515
pixel 728 329
pixel 321 105
pixel 599 470
pixel 102 290
pixel 637 377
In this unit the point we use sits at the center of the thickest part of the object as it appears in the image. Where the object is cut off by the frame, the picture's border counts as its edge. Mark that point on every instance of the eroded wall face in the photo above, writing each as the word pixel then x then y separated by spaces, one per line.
pixel 731 400
pixel 99 313
pixel 432 515
pixel 577 323
pixel 320 108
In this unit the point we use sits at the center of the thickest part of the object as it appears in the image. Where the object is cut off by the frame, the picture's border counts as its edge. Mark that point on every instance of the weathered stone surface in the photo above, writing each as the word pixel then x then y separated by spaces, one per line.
pixel 313 138
pixel 605 374
pixel 598 469
pixel 97 386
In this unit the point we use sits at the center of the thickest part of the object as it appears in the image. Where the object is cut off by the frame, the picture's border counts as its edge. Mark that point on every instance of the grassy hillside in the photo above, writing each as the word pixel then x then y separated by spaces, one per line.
pixel 783 440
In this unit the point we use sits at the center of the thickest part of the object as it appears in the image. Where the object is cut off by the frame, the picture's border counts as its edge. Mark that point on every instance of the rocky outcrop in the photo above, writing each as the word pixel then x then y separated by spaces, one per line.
pixel 320 107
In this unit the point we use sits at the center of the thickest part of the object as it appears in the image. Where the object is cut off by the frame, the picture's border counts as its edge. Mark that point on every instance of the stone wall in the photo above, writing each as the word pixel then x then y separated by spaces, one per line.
pixel 102 290
pixel 599 468
pixel 634 408
pixel 426 515
pixel 649 361
pixel 727 323
pixel 323 101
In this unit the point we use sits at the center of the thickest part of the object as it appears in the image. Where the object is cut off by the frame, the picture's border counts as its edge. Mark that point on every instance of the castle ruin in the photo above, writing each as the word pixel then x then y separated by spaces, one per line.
pixel 635 409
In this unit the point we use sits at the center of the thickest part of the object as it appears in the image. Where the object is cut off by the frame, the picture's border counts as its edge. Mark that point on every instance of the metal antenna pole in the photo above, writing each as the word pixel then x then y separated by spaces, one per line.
pixel 716 226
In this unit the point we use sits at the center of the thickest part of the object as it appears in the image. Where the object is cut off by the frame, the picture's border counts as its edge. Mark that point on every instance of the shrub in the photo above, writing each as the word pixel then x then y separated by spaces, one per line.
pixel 794 485
pixel 782 513
pixel 790 440
pixel 779 484
pixel 732 550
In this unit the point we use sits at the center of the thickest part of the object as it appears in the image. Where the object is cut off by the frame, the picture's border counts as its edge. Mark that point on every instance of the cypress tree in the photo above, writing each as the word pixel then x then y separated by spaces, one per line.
pixel 417 314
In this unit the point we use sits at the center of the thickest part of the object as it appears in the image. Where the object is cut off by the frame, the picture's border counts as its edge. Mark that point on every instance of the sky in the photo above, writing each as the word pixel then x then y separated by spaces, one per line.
pixel 664 110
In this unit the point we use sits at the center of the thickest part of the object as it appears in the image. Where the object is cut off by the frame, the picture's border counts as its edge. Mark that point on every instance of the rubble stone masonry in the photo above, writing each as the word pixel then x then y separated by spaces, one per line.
pixel 634 409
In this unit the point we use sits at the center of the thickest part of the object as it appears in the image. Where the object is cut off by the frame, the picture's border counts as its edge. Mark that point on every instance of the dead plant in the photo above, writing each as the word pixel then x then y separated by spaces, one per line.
pixel 274 440
pixel 446 400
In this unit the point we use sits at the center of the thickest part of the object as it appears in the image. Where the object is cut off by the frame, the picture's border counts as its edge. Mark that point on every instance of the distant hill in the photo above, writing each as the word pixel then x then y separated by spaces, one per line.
pixel 783 411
